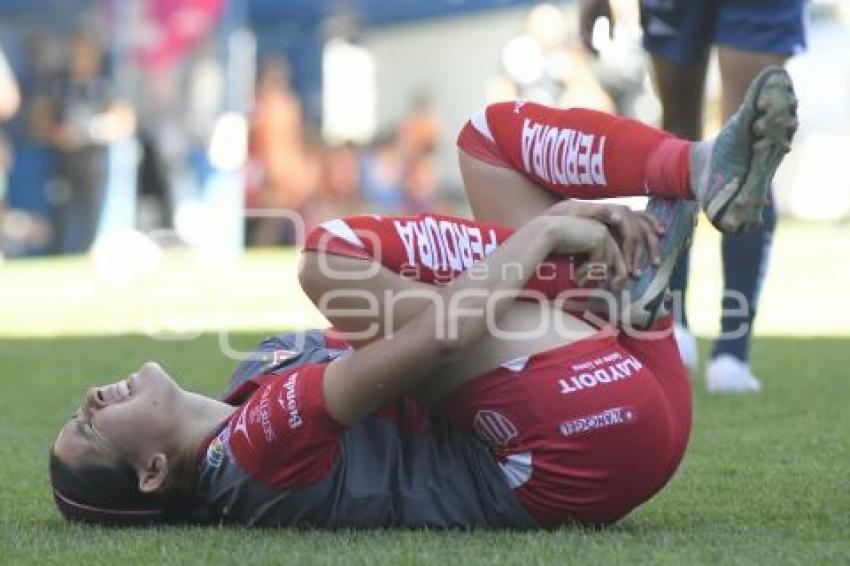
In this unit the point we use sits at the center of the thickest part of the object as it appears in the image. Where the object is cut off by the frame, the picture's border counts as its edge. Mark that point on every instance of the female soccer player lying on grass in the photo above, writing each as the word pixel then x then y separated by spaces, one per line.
pixel 537 417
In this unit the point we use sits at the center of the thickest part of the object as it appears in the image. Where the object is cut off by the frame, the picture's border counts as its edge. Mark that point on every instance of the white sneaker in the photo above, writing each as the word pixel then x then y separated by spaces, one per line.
pixel 687 346
pixel 728 374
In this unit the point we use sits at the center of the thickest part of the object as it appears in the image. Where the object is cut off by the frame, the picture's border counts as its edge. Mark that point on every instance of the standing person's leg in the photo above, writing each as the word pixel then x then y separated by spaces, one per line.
pixel 751 36
pixel 745 256
pixel 677 36
pixel 680 88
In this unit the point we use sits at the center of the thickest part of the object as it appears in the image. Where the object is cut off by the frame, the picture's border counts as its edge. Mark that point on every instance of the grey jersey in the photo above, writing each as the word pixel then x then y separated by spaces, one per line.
pixel 281 460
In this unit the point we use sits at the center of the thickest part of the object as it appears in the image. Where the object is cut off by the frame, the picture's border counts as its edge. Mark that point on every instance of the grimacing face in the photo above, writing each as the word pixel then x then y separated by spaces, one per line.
pixel 125 421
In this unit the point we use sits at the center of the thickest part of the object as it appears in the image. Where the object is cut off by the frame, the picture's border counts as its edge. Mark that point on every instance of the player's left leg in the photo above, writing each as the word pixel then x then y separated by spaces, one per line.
pixel 580 153
pixel 518 158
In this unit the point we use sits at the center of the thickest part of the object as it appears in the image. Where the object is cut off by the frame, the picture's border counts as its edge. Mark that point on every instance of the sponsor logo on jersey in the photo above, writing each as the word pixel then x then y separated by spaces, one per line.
pixel 603 419
pixel 494 428
pixel 261 414
pixel 288 401
pixel 218 448
pixel 602 370
pixel 444 244
pixel 562 156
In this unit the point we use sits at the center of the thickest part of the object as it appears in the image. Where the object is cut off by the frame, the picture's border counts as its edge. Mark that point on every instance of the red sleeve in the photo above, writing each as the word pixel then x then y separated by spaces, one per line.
pixel 283 436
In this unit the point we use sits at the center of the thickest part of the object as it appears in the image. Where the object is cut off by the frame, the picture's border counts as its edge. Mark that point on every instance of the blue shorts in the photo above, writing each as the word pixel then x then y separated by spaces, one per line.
pixel 681 31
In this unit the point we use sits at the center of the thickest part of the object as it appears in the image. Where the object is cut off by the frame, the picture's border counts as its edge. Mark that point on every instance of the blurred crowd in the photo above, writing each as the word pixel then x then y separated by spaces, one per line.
pixel 291 167
pixel 178 113
pixel 55 141
pixel 69 139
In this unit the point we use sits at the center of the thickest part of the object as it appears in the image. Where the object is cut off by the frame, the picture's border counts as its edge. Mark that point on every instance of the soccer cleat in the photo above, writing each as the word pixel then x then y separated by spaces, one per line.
pixel 645 298
pixel 687 345
pixel 744 156
pixel 728 374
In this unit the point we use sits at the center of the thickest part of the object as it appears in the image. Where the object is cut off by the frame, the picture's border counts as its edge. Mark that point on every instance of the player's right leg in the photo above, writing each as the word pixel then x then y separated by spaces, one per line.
pixel 680 87
pixel 352 264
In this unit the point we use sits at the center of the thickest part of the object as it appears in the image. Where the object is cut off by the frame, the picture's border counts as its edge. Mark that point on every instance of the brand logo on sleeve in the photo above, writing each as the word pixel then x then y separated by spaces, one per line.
pixel 288 401
pixel 240 426
pixel 261 414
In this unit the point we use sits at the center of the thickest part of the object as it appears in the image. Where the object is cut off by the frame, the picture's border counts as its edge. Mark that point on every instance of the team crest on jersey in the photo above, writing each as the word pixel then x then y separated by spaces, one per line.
pixel 218 448
pixel 494 428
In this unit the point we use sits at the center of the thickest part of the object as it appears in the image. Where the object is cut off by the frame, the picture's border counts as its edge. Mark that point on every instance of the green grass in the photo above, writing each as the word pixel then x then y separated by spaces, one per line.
pixel 766 478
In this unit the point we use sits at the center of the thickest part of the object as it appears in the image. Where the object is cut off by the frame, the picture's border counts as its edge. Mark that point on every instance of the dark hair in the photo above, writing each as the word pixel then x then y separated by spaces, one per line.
pixel 110 496
pixel 102 495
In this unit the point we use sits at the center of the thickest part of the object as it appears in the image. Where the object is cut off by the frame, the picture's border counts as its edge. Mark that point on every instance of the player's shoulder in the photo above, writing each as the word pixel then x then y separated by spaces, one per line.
pixel 282 435
pixel 281 354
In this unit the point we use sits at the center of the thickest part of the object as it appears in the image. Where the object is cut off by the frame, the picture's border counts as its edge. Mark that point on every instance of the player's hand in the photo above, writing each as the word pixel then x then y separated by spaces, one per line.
pixel 576 235
pixel 636 232
pixel 588 12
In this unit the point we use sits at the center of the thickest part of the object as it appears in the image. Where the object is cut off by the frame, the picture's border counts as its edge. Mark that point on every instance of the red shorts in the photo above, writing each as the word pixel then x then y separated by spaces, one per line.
pixel 585 432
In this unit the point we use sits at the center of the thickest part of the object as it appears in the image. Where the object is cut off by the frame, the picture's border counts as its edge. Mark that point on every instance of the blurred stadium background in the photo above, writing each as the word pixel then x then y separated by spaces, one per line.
pixel 165 138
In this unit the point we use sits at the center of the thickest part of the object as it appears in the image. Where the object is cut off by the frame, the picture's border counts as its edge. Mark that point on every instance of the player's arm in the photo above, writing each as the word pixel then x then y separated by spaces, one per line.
pixel 359 383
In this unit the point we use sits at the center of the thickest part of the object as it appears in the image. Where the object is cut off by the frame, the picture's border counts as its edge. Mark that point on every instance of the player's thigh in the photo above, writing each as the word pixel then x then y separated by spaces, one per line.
pixel 681 88
pixel 501 195
pixel 366 301
pixel 528 328
pixel 738 68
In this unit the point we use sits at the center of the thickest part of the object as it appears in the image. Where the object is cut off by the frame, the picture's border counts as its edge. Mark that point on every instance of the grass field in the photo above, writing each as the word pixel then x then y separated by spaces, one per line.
pixel 766 479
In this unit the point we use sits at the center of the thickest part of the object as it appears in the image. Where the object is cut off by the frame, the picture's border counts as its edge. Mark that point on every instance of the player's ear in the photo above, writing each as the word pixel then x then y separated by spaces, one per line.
pixel 152 477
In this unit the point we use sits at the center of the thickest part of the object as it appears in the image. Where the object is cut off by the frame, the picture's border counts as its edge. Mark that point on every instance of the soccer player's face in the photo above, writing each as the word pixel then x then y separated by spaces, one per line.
pixel 126 421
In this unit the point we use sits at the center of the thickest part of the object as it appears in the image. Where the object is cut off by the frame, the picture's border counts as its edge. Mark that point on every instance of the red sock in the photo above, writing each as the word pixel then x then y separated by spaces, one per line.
pixel 580 153
pixel 430 248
